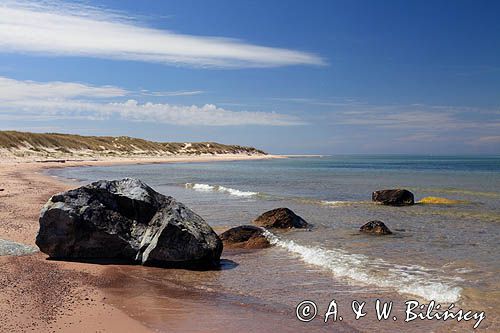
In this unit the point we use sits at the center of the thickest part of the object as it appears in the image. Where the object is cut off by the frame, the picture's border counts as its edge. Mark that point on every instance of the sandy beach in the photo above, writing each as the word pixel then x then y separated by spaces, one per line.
pixel 55 296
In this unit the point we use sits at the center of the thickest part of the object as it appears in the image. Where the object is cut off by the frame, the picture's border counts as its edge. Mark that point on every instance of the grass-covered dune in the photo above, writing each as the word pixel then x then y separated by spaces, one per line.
pixel 56 145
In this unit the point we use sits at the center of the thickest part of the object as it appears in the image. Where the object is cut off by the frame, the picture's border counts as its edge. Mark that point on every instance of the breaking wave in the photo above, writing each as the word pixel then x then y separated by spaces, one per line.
pixel 414 280
pixel 335 203
pixel 260 195
pixel 221 189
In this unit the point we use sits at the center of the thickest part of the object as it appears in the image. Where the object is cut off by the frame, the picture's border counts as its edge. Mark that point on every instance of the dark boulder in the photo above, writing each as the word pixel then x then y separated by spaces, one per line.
pixel 125 220
pixel 245 237
pixel 280 218
pixel 376 228
pixel 394 197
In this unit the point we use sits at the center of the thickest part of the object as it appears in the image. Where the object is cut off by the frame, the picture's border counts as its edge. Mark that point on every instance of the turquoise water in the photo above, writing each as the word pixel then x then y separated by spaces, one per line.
pixel 446 252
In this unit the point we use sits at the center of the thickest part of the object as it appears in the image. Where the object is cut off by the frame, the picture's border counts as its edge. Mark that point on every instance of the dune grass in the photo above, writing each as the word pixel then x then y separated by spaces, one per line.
pixel 61 144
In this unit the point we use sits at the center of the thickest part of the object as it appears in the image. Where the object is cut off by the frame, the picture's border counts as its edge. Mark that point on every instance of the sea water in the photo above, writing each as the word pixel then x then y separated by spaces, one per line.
pixel 443 250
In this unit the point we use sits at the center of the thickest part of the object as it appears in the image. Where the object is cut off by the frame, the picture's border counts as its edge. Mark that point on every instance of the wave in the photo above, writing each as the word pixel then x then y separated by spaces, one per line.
pixel 335 203
pixel 222 189
pixel 260 195
pixel 414 280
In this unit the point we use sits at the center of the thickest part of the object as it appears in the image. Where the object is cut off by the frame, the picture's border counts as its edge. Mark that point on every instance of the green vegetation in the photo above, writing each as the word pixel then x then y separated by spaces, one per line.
pixel 56 144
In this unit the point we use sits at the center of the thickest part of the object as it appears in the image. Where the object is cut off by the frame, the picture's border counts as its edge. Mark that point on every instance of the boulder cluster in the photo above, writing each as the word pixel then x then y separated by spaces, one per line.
pixel 126 220
pixel 253 237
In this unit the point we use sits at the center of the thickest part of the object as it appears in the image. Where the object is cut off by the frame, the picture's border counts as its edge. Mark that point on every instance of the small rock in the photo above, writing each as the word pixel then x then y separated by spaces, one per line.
pixel 376 228
pixel 280 218
pixel 394 197
pixel 246 237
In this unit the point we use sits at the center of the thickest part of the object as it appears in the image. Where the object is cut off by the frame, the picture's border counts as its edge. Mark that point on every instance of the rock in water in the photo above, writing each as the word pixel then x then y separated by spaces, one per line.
pixel 127 220
pixel 245 237
pixel 375 227
pixel 394 197
pixel 280 218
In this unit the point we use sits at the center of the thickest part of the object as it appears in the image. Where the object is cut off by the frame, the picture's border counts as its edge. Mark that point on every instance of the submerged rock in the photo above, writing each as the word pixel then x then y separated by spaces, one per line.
pixel 126 220
pixel 280 218
pixel 375 227
pixel 394 197
pixel 246 237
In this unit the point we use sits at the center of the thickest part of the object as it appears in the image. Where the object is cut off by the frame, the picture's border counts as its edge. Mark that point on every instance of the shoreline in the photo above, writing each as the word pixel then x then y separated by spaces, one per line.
pixel 50 296
pixel 37 294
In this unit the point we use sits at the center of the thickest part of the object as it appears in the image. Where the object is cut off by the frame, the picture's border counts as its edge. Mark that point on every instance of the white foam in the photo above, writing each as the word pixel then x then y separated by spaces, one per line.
pixel 222 189
pixel 200 187
pixel 413 280
pixel 235 192
pixel 333 203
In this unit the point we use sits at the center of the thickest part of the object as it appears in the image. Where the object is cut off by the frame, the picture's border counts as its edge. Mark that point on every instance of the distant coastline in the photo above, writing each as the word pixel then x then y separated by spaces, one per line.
pixel 304 155
pixel 56 147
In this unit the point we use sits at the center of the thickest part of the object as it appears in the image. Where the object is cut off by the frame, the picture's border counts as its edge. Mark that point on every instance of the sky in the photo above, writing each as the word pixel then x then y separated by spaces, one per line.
pixel 288 77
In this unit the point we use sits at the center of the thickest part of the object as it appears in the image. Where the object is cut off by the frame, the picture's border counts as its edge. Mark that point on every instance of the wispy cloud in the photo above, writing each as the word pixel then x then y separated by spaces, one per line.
pixel 67 100
pixel 48 28
pixel 425 126
pixel 417 117
pixel 397 126
pixel 17 90
pixel 171 93
pixel 490 139
pixel 331 102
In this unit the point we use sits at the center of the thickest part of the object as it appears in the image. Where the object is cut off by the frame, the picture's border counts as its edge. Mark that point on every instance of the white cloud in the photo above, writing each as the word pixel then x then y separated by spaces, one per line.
pixel 71 30
pixel 207 115
pixel 15 90
pixel 66 100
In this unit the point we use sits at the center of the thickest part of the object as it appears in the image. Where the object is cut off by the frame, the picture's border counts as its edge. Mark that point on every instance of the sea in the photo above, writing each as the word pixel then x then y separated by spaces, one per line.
pixel 445 248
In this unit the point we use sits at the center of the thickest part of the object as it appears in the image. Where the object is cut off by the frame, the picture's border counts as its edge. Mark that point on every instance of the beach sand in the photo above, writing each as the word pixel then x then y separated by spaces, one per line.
pixel 42 295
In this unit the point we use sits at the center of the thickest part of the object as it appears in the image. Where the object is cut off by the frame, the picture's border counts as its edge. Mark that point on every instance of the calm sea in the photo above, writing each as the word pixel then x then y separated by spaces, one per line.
pixel 449 253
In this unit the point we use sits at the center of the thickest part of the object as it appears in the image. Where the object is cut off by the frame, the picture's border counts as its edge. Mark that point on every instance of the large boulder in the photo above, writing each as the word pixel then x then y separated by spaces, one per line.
pixel 125 220
pixel 376 228
pixel 280 218
pixel 245 237
pixel 394 197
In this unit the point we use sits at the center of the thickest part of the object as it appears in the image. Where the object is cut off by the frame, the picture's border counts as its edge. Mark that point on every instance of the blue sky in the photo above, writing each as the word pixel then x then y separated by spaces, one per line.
pixel 328 77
